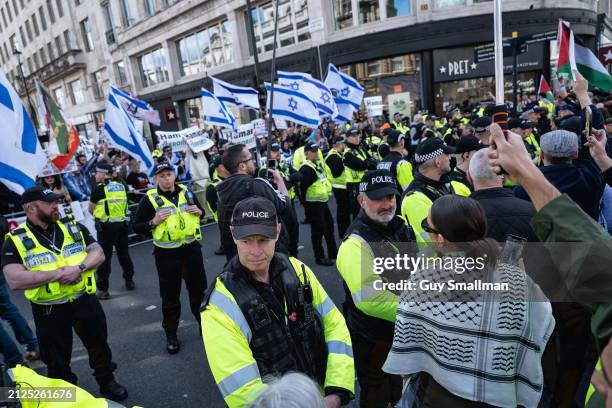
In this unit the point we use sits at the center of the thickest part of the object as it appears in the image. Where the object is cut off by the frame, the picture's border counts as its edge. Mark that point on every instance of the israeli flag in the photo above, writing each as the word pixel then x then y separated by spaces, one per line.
pixel 293 106
pixel 239 96
pixel 215 113
pixel 347 90
pixel 313 88
pixel 135 107
pixel 21 156
pixel 121 133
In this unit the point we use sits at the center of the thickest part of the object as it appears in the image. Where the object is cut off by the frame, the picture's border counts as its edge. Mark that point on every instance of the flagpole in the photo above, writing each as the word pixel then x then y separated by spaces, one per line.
pixel 500 113
pixel 272 77
pixel 25 89
pixel 255 55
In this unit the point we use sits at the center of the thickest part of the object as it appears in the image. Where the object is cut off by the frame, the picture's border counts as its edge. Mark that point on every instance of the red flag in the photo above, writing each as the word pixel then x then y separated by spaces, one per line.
pixel 605 55
pixel 544 88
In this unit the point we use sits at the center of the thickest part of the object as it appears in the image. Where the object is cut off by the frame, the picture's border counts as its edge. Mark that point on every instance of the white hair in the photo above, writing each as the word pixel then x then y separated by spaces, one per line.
pixel 480 168
pixel 292 390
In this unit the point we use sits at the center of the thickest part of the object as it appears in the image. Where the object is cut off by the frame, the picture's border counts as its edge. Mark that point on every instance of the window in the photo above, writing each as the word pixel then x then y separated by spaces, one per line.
pixel 292 24
pixel 23 41
pixel 43 57
pixel 13 42
pixel 70 45
pixel 149 7
pixel 35 25
pixel 76 92
pixel 50 51
pixel 153 68
pixel 60 8
pixel 120 73
pixel 60 97
pixel 449 3
pixel 168 3
pixel 343 14
pixel 43 22
pixel 108 17
pixel 86 32
pixel 6 51
pixel 373 68
pixel 368 11
pixel 58 45
pixel 36 61
pixel 3 17
pixel 28 30
pixel 15 8
pixel 96 79
pixel 8 11
pixel 206 48
pixel 397 64
pixel 125 13
pixel 397 8
pixel 30 66
pixel 50 10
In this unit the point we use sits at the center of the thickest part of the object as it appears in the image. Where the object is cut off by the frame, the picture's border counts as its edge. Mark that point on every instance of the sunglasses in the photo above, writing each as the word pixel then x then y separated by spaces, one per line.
pixel 427 228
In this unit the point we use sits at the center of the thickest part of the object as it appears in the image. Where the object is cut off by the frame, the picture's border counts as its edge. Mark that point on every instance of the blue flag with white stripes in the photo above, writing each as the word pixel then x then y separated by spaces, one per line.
pixel 215 113
pixel 238 96
pixel 348 93
pixel 135 107
pixel 316 90
pixel 21 156
pixel 293 106
pixel 121 132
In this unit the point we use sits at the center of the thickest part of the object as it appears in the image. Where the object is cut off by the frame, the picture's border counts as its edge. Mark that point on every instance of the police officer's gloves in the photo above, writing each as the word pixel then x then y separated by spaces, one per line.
pixel 371 163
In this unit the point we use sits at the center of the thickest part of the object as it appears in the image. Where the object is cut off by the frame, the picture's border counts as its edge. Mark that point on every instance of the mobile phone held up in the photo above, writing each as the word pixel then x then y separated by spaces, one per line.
pixel 271 167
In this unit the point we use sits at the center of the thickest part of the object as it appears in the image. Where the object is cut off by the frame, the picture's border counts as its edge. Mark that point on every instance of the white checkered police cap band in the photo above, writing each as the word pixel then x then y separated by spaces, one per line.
pixel 428 156
pixel 363 186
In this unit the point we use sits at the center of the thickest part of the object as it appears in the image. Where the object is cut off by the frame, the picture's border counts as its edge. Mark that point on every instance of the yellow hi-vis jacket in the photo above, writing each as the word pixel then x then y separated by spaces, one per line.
pixel 227 336
pixel 355 252
pixel 320 190
pixel 113 207
pixel 340 181
pixel 300 155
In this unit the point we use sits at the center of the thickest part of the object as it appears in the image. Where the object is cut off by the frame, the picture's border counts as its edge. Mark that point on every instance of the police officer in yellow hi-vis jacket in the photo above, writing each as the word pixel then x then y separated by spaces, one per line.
pixel 171 213
pixel 109 206
pixel 53 261
pixel 267 314
pixel 370 313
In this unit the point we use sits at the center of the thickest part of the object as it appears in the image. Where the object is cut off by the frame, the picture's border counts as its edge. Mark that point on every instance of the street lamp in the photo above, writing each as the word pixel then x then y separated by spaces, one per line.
pixel 17 53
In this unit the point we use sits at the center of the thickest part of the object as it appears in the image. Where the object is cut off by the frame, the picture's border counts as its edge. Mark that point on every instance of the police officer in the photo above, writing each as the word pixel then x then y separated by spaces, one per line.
pixel 53 261
pixel 465 149
pixel 481 128
pixel 315 190
pixel 395 162
pixel 430 182
pixel 336 174
pixel 171 213
pixel 267 315
pixel 109 206
pixel 356 160
pixel 430 127
pixel 370 313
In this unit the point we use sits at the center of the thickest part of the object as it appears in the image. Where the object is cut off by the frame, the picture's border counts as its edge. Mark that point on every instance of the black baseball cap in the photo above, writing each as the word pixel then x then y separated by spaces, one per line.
pixel 431 148
pixel 394 137
pixel 311 147
pixel 377 184
pixel 482 124
pixel 275 147
pixel 104 168
pixel 432 117
pixel 568 107
pixel 38 193
pixel 468 143
pixel 339 139
pixel 515 123
pixel 159 167
pixel 352 132
pixel 254 216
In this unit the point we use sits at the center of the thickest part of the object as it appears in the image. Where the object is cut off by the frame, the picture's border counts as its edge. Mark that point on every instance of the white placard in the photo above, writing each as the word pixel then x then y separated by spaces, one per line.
pixel 245 136
pixel 173 139
pixel 259 125
pixel 73 209
pixel 399 103
pixel 374 105
pixel 181 140
pixel 199 144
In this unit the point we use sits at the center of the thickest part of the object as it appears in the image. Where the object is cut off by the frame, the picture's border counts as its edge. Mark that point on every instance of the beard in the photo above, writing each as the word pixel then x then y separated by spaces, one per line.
pixel 382 216
pixel 50 218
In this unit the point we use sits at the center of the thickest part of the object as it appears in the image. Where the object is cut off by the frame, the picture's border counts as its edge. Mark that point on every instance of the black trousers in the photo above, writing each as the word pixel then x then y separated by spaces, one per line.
pixel 321 225
pixel 353 191
pixel 186 263
pixel 343 215
pixel 54 331
pixel 378 389
pixel 109 235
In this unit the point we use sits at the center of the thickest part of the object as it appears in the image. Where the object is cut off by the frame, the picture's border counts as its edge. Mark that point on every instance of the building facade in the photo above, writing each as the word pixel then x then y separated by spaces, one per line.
pixel 422 52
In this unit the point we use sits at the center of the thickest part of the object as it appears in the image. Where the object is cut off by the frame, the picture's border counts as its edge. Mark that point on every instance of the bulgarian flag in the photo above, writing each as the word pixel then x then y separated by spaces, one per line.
pixel 63 137
pixel 544 88
pixel 576 57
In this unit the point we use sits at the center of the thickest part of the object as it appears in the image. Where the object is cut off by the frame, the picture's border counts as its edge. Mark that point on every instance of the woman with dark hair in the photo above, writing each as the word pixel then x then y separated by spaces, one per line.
pixel 55 184
pixel 472 331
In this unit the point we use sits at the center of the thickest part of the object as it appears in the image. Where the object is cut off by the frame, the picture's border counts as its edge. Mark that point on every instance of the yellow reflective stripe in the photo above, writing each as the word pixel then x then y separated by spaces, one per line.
pixel 232 310
pixel 325 307
pixel 339 347
pixel 61 301
pixel 339 186
pixel 238 379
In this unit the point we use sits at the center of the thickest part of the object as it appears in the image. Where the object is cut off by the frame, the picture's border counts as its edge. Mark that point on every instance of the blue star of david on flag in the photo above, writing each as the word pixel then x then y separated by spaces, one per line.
pixel 345 91
pixel 293 104
pixel 325 97
pixel 295 86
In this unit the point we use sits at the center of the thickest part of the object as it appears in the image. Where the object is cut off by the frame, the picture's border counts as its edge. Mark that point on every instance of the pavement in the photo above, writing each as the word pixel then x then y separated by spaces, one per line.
pixel 152 376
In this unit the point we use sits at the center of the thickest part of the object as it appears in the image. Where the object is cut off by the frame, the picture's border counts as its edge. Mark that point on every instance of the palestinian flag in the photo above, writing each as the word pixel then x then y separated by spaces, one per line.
pixel 63 137
pixel 566 63
pixel 544 88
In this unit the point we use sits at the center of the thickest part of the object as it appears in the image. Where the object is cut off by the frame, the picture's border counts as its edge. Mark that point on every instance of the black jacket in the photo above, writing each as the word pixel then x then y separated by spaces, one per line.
pixel 240 186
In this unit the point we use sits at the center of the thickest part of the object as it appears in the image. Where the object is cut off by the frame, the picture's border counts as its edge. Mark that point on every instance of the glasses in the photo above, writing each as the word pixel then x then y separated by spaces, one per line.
pixel 427 228
pixel 248 160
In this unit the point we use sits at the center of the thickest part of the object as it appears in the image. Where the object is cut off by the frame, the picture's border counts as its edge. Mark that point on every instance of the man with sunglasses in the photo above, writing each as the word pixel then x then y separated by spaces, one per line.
pixel 370 313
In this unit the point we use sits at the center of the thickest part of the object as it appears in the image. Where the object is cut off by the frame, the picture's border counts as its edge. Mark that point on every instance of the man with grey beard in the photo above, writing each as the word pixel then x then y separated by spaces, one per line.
pixel 370 313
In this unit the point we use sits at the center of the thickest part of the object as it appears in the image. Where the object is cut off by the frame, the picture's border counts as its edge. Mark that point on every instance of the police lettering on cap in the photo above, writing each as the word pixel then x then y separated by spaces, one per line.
pixel 161 167
pixel 339 140
pixel 377 184
pixel 311 147
pixel 275 147
pixel 254 216
pixel 104 168
pixel 38 193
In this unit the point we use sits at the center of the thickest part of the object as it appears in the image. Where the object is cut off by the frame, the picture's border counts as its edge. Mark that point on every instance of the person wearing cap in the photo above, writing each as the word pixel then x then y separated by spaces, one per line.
pixel 370 314
pixel 465 149
pixel 395 162
pixel 336 174
pixel 109 206
pixel 267 314
pixel 218 175
pixel 566 110
pixel 582 181
pixel 481 128
pixel 431 181
pixel 356 160
pixel 300 155
pixel 430 127
pixel 315 190
pixel 171 213
pixel 290 176
pixel 53 260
